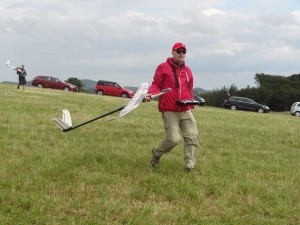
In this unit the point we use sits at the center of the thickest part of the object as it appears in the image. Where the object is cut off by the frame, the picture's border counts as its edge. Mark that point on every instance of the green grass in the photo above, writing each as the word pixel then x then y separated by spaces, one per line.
pixel 248 171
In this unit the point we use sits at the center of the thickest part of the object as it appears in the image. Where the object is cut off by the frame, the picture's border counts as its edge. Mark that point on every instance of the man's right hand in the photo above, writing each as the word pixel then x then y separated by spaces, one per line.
pixel 147 98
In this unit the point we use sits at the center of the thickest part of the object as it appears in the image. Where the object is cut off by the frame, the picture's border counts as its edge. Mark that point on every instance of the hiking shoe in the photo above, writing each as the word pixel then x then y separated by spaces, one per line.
pixel 155 161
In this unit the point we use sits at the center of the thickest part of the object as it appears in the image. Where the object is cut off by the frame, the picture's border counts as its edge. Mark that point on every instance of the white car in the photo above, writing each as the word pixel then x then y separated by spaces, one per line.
pixel 295 109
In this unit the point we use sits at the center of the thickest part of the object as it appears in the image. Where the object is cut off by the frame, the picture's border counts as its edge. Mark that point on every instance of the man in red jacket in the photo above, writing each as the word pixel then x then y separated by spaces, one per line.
pixel 176 114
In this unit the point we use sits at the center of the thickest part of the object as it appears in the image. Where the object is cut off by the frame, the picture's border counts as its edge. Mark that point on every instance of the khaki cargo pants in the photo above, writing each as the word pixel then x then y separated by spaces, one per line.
pixel 174 122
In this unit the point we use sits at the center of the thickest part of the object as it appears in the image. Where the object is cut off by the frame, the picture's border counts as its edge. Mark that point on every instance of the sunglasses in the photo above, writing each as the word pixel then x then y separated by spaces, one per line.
pixel 179 51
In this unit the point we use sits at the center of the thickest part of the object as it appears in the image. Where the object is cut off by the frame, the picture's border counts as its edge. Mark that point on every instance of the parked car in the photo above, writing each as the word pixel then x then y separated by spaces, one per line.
pixel 244 103
pixel 200 99
pixel 295 109
pixel 42 81
pixel 112 88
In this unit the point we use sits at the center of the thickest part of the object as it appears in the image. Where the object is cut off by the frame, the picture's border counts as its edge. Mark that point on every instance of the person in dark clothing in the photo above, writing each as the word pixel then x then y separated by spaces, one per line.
pixel 22 74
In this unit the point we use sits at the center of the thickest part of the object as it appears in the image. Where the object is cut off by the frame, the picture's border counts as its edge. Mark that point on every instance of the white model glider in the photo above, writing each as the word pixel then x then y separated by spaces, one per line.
pixel 65 124
pixel 12 67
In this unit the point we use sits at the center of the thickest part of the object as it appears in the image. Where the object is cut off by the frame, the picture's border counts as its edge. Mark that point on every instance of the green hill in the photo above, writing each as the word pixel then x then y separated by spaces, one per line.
pixel 200 90
pixel 247 171
pixel 89 85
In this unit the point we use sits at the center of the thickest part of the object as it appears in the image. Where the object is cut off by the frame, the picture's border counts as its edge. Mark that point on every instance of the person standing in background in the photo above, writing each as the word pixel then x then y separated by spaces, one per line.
pixel 22 75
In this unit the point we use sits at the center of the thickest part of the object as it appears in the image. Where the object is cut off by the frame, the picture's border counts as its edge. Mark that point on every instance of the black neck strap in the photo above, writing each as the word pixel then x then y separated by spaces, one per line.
pixel 175 76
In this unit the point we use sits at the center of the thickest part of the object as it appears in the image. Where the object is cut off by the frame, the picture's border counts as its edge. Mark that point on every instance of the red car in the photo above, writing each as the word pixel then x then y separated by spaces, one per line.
pixel 112 88
pixel 42 81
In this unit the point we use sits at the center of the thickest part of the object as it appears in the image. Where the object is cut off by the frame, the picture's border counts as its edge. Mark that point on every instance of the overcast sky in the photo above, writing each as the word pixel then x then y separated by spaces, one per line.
pixel 228 41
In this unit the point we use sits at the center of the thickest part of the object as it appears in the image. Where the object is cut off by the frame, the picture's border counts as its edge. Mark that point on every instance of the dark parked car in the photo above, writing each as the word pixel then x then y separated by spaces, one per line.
pixel 112 88
pixel 200 99
pixel 42 81
pixel 244 103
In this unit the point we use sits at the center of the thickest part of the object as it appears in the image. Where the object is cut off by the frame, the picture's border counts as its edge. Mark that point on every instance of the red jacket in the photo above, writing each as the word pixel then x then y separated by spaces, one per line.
pixel 164 78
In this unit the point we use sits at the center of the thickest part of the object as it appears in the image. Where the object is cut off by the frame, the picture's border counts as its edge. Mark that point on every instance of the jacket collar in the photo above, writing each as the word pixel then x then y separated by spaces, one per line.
pixel 172 62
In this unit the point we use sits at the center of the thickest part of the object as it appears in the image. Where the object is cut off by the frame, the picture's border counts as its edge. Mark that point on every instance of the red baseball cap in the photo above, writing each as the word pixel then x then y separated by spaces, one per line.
pixel 178 45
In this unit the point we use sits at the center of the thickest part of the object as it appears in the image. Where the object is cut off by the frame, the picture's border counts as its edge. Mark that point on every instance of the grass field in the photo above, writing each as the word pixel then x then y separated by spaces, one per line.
pixel 248 171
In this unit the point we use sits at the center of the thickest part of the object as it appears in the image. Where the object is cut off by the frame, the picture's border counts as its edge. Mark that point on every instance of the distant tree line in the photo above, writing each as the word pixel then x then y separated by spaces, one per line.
pixel 278 92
